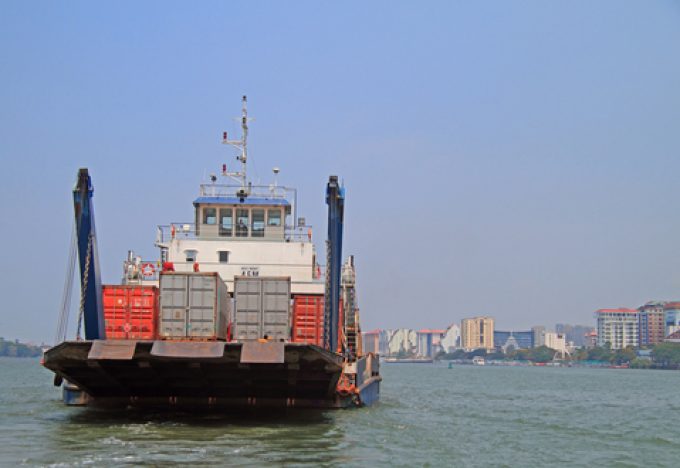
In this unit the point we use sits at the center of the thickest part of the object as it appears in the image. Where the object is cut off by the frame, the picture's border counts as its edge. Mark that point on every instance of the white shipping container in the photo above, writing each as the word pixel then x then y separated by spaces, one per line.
pixel 262 308
pixel 193 305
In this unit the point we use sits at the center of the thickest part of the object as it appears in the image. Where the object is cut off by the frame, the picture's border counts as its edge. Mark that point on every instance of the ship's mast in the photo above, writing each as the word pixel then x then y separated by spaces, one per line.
pixel 241 145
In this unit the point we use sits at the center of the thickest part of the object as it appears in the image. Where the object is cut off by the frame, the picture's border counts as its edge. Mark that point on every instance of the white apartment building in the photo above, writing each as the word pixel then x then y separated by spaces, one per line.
pixel 451 338
pixel 618 327
pixel 556 341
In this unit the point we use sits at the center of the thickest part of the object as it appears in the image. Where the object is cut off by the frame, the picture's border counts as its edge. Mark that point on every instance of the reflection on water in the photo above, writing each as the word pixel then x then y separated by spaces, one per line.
pixel 254 417
pixel 251 437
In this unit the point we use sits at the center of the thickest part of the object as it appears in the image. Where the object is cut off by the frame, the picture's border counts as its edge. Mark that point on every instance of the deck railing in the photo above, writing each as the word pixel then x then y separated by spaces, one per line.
pixel 167 232
pixel 149 270
pixel 230 190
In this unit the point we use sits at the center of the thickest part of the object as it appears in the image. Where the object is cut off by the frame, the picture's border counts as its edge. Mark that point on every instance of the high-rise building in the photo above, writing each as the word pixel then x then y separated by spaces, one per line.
pixel 556 341
pixel 384 343
pixel 429 342
pixel 451 339
pixel 651 323
pixel 371 341
pixel 538 331
pixel 476 333
pixel 402 340
pixel 618 327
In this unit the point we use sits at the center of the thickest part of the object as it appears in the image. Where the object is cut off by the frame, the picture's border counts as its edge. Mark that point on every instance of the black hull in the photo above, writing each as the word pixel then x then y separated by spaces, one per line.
pixel 210 375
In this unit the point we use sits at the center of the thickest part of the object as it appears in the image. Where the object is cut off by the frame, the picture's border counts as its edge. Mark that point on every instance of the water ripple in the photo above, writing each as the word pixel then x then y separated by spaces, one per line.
pixel 429 416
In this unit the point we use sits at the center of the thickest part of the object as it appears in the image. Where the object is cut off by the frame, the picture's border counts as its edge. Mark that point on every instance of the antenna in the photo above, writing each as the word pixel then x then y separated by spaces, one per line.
pixel 242 145
pixel 276 171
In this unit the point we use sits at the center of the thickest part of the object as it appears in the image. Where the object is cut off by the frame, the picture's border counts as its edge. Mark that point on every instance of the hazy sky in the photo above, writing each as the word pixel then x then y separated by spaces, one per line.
pixel 516 159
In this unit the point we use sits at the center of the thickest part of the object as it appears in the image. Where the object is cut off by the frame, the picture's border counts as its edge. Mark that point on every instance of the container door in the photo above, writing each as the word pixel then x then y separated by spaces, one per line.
pixel 248 316
pixel 142 312
pixel 276 308
pixel 201 309
pixel 115 304
pixel 174 304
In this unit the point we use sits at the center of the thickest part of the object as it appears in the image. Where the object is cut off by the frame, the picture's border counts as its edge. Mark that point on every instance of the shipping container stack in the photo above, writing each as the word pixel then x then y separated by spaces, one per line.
pixel 197 306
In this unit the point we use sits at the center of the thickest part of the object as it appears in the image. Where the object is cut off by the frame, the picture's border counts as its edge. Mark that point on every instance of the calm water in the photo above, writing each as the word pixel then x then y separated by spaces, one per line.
pixel 429 415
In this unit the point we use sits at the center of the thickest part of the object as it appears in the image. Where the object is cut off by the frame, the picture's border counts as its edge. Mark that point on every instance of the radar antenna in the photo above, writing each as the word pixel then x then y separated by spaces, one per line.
pixel 241 145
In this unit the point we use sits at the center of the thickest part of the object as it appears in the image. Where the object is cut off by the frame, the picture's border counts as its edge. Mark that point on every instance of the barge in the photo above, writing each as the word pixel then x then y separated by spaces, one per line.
pixel 236 311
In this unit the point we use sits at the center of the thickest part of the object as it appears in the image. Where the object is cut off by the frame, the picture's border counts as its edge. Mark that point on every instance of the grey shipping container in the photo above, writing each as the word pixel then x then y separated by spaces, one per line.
pixel 194 306
pixel 262 308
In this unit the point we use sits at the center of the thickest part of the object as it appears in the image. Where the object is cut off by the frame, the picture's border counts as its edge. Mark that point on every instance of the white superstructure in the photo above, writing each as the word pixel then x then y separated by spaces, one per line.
pixel 238 230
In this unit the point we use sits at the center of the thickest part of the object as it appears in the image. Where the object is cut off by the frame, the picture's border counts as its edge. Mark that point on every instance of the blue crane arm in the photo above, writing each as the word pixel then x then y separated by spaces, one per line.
pixel 335 199
pixel 90 280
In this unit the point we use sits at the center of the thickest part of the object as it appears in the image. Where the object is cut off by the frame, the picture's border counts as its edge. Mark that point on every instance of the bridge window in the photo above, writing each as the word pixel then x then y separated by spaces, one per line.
pixel 209 216
pixel 274 218
pixel 226 222
pixel 258 223
pixel 242 221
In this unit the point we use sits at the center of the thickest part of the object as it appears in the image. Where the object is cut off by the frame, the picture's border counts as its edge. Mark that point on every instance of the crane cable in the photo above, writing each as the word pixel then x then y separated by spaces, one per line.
pixel 64 312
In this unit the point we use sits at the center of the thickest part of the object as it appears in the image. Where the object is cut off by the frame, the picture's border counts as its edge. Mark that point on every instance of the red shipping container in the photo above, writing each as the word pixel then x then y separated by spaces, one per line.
pixel 130 312
pixel 308 318
pixel 308 311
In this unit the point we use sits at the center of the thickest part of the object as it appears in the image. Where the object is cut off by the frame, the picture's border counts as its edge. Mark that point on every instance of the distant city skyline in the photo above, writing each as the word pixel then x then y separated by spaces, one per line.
pixel 616 330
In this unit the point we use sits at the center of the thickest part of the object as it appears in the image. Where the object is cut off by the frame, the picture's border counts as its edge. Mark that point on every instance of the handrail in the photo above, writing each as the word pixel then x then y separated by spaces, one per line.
pixel 167 232
pixel 268 191
pixel 136 276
